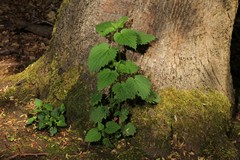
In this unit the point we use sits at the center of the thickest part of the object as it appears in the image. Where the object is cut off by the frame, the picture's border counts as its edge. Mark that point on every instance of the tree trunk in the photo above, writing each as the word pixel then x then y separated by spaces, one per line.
pixel 192 50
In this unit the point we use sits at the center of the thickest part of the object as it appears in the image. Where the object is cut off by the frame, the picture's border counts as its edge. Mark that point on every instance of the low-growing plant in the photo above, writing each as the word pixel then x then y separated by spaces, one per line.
pixel 118 82
pixel 47 117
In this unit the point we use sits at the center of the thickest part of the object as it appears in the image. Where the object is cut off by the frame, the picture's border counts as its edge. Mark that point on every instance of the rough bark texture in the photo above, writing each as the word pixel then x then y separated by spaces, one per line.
pixel 191 52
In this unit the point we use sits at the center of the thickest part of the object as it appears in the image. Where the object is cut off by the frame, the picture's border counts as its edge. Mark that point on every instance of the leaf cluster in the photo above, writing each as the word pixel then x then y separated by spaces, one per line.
pixel 118 82
pixel 47 117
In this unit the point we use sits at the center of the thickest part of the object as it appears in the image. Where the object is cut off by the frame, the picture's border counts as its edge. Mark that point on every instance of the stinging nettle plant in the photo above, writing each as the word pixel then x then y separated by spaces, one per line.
pixel 118 82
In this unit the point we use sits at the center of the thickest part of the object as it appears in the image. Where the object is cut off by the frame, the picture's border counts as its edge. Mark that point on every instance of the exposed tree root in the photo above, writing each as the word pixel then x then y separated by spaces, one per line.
pixel 26 154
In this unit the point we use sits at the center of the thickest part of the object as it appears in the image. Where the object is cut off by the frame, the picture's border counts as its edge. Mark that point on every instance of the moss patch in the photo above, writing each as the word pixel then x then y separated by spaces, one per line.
pixel 190 123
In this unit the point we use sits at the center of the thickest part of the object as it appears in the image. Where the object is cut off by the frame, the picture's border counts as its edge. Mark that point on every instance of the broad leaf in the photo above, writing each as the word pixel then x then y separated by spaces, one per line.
pixel 95 98
pixel 98 114
pixel 62 109
pixel 107 142
pixel 144 38
pixel 100 126
pixel 61 122
pixel 55 113
pixel 129 130
pixel 124 90
pixel 105 28
pixel 127 67
pixel 41 116
pixel 120 23
pixel 41 125
pixel 126 37
pixel 93 135
pixel 123 115
pixel 38 103
pixel 105 78
pixel 111 127
pixel 153 98
pixel 52 130
pixel 100 56
pixel 143 86
pixel 31 120
pixel 48 107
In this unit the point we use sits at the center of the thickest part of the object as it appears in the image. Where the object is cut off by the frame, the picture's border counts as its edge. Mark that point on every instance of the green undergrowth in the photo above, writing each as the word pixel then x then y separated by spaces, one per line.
pixel 190 123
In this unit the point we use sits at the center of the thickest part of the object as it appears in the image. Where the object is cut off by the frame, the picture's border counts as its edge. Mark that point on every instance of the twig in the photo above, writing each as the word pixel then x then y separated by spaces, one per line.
pixel 26 154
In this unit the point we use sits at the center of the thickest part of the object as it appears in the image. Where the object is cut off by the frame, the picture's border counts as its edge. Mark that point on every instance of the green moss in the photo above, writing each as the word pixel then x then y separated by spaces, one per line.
pixel 187 121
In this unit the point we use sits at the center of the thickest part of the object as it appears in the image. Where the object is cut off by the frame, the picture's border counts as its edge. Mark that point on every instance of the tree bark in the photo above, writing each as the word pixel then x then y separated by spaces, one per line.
pixel 192 50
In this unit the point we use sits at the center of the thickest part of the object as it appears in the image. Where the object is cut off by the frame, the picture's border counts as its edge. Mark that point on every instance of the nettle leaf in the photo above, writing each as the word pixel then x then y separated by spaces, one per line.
pixel 124 90
pixel 41 116
pixel 31 120
pixel 105 28
pixel 61 122
pixel 127 67
pixel 98 114
pixel 107 142
pixel 93 135
pixel 143 86
pixel 106 77
pixel 120 23
pixel 95 98
pixel 55 113
pixel 100 56
pixel 111 127
pixel 38 103
pixel 129 130
pixel 52 130
pixel 48 107
pixel 153 98
pixel 123 115
pixel 144 38
pixel 62 108
pixel 126 37
pixel 100 126
pixel 41 125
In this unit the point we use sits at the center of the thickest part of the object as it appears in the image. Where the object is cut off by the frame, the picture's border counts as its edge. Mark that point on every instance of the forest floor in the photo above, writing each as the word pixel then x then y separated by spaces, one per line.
pixel 21 44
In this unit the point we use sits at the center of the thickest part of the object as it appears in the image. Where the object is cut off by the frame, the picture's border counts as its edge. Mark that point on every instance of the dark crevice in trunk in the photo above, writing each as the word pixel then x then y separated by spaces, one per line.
pixel 235 62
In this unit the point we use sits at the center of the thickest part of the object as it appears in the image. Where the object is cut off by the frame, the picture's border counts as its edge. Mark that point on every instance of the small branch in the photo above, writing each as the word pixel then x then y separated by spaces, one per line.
pixel 26 154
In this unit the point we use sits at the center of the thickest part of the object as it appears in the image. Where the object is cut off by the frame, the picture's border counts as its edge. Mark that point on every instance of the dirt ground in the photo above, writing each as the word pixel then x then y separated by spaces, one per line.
pixel 25 32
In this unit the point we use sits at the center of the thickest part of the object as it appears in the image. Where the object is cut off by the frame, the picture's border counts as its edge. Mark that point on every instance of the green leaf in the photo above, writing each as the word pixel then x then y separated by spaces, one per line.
pixel 105 78
pixel 144 38
pixel 111 127
pixel 61 122
pixel 126 37
pixel 129 130
pixel 41 116
pixel 62 108
pixel 127 67
pixel 107 142
pixel 53 131
pixel 100 126
pixel 98 114
pixel 31 120
pixel 48 107
pixel 105 28
pixel 120 23
pixel 95 98
pixel 123 115
pixel 143 86
pixel 153 98
pixel 93 135
pixel 55 113
pixel 41 125
pixel 38 103
pixel 100 56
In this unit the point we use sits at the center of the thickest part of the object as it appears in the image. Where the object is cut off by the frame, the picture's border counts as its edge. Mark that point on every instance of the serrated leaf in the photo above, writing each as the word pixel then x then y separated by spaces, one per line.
pixel 126 37
pixel 123 115
pixel 98 114
pixel 127 67
pixel 41 116
pixel 143 86
pixel 107 142
pixel 100 56
pixel 48 107
pixel 55 113
pixel 62 108
pixel 53 131
pixel 105 78
pixel 105 28
pixel 61 122
pixel 153 98
pixel 95 98
pixel 100 126
pixel 120 23
pixel 129 130
pixel 111 127
pixel 93 135
pixel 38 103
pixel 144 38
pixel 41 125
pixel 124 90
pixel 31 120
